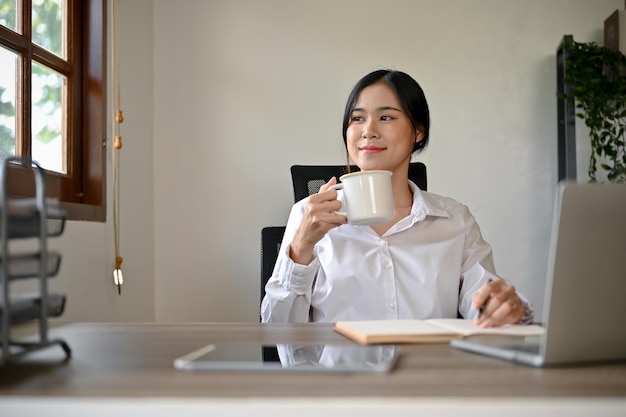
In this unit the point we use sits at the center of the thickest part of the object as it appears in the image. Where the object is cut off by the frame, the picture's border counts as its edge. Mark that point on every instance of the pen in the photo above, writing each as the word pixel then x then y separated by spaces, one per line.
pixel 482 308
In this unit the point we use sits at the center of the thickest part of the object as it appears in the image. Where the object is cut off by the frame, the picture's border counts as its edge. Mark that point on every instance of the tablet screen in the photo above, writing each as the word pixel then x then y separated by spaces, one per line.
pixel 283 357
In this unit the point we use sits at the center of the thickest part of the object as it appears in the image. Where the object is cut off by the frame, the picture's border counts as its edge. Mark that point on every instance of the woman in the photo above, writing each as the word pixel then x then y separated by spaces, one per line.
pixel 429 261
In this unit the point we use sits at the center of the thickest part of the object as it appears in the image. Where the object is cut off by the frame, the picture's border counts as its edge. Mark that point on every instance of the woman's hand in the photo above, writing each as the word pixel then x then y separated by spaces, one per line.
pixel 319 218
pixel 498 304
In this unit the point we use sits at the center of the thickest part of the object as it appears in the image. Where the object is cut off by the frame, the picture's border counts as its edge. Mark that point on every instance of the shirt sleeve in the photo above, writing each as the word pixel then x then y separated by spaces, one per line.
pixel 478 267
pixel 288 291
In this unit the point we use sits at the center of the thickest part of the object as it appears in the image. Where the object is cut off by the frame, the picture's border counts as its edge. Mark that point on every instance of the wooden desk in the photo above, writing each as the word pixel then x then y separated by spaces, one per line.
pixel 135 360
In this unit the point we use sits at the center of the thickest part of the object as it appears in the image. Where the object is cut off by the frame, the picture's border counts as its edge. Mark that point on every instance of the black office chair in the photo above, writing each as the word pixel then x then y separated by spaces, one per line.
pixel 271 238
pixel 307 179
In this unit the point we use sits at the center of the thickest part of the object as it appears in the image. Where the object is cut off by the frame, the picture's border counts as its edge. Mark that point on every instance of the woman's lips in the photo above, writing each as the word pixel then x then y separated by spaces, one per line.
pixel 371 149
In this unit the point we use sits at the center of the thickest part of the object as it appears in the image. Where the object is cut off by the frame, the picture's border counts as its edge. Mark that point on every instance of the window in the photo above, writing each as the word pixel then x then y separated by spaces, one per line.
pixel 52 99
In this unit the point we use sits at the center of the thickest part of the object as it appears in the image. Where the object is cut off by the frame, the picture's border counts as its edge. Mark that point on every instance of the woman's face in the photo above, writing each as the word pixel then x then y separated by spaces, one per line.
pixel 380 134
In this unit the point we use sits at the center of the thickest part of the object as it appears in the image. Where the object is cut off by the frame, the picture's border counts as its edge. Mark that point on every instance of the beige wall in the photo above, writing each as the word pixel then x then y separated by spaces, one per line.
pixel 221 97
pixel 88 257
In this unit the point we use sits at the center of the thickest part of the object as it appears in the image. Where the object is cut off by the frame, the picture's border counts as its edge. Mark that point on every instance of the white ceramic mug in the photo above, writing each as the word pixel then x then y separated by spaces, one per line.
pixel 368 197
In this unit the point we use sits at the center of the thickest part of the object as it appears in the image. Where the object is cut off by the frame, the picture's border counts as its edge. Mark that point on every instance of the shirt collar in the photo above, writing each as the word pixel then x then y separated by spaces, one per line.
pixel 424 205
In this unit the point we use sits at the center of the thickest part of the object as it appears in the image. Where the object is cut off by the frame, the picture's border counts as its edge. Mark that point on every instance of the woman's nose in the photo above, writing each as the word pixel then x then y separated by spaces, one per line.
pixel 370 130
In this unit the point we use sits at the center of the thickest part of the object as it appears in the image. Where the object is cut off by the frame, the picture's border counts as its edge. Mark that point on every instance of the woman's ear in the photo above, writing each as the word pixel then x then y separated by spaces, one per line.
pixel 419 134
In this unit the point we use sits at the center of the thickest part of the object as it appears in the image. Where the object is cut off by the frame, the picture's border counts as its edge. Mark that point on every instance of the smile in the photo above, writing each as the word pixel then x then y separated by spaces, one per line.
pixel 371 149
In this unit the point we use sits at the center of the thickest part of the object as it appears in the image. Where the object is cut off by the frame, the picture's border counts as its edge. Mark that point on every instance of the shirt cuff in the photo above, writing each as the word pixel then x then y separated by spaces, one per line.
pixel 302 276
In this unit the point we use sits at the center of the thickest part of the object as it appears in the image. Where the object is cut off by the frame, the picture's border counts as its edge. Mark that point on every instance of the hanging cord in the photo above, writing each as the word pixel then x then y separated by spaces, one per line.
pixel 117 119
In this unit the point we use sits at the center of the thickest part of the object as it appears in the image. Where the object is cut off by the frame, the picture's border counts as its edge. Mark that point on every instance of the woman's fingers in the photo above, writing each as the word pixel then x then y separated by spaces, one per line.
pixel 329 184
pixel 479 300
pixel 498 304
pixel 319 214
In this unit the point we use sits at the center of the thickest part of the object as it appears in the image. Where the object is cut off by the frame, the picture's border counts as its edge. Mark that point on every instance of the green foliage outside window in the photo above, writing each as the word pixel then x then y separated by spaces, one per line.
pixel 47 25
pixel 7 135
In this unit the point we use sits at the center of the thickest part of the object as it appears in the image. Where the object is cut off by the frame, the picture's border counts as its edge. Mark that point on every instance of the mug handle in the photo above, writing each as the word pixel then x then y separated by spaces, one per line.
pixel 338 186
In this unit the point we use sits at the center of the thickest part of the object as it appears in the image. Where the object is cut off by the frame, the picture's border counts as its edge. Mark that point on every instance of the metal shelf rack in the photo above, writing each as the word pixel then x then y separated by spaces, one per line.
pixel 35 218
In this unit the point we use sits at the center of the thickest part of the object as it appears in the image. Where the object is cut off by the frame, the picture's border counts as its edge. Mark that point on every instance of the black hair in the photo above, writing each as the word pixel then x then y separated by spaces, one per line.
pixel 409 94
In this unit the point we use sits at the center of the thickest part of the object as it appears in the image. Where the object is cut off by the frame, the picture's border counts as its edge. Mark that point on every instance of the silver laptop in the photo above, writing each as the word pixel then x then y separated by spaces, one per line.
pixel 585 297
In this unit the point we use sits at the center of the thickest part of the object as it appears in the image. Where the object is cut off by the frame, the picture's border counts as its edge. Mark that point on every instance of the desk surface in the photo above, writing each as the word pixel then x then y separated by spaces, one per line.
pixel 130 360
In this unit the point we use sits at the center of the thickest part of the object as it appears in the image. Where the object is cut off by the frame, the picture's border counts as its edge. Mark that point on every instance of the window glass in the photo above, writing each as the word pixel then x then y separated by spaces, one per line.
pixel 8 62
pixel 48 25
pixel 52 99
pixel 48 118
pixel 7 14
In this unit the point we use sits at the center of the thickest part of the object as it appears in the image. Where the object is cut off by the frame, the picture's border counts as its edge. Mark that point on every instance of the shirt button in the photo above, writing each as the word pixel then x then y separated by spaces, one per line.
pixel 391 306
pixel 387 266
pixel 382 243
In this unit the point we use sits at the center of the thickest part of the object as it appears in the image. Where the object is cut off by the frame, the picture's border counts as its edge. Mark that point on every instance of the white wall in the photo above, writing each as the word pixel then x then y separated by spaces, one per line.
pixel 87 248
pixel 222 97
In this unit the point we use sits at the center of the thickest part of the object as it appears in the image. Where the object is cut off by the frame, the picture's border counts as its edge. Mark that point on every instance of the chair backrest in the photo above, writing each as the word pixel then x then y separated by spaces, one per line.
pixel 271 238
pixel 307 179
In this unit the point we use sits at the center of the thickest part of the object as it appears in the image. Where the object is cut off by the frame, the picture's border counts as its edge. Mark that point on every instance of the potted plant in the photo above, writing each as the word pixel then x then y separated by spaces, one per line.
pixel 597 76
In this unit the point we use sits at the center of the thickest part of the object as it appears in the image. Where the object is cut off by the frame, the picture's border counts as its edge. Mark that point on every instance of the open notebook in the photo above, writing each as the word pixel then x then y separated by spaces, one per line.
pixel 585 293
pixel 425 331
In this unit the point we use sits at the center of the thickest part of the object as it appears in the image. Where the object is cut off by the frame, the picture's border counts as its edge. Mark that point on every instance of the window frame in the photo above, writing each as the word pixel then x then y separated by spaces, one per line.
pixel 82 191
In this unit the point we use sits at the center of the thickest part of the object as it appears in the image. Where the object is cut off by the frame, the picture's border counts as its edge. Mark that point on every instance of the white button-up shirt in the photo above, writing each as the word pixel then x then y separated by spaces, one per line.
pixel 428 265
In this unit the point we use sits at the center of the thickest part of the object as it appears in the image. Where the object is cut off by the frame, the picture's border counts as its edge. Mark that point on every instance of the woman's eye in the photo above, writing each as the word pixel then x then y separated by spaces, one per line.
pixel 357 118
pixel 386 118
